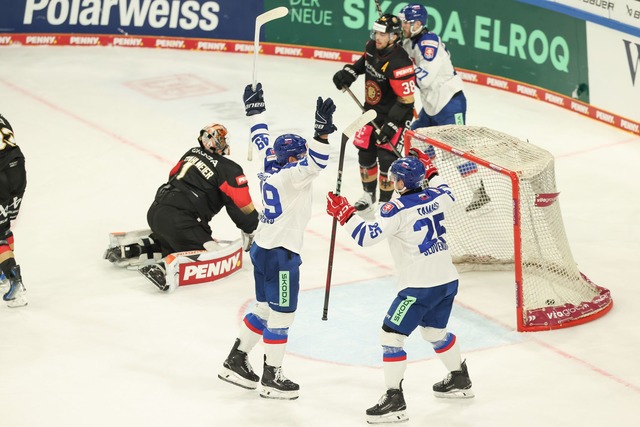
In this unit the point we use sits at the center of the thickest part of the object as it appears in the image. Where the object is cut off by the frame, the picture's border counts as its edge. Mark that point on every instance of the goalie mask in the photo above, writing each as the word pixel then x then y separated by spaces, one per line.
pixel 213 138
pixel 409 170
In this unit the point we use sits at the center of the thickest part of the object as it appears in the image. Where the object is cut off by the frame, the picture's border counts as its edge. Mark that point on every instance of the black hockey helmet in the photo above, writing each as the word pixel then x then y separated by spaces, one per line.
pixel 387 23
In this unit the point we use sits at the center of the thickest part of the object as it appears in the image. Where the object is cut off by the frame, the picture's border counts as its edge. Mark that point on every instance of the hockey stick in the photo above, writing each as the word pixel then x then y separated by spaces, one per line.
pixel 378 7
pixel 348 133
pixel 262 19
pixel 395 150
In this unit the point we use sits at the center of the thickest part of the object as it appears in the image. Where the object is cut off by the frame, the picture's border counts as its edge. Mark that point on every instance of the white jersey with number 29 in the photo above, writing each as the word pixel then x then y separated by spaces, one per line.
pixel 286 191
pixel 414 225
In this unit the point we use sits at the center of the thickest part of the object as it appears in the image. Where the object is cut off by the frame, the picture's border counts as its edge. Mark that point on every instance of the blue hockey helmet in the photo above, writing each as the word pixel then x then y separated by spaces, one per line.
pixel 414 12
pixel 288 145
pixel 409 170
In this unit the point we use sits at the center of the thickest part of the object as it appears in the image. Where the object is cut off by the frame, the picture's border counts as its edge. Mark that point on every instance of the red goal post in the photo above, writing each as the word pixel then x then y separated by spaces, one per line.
pixel 507 216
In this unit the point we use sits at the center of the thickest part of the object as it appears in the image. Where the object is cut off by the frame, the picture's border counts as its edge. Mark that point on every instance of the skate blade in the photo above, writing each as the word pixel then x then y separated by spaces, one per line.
pixel 17 302
pixel 232 378
pixel 393 417
pixel 455 394
pixel 272 393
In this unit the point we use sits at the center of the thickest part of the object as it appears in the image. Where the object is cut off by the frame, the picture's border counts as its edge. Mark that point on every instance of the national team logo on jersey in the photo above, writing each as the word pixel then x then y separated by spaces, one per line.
pixel 241 180
pixel 373 92
pixel 429 53
pixel 386 208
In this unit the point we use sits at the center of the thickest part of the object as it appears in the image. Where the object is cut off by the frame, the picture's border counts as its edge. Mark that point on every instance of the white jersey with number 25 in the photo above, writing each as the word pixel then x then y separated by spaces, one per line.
pixel 414 225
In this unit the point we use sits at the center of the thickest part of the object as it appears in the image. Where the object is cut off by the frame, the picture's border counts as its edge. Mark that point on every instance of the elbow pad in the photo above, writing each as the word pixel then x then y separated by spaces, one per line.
pixel 401 114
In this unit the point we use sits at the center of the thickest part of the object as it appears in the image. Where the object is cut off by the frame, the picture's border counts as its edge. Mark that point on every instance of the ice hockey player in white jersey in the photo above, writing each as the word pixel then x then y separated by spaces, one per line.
pixel 441 89
pixel 290 167
pixel 414 226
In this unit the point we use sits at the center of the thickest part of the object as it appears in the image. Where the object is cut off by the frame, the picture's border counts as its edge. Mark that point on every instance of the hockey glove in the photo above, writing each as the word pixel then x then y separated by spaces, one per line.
pixel 247 240
pixel 386 133
pixel 324 117
pixel 345 77
pixel 253 100
pixel 431 170
pixel 339 208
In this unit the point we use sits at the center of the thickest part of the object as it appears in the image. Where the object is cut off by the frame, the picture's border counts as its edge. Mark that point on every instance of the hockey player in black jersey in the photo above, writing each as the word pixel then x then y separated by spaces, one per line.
pixel 389 88
pixel 13 181
pixel 202 183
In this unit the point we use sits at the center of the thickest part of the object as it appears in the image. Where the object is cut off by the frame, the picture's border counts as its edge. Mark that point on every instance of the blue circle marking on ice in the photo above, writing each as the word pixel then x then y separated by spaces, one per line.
pixel 350 335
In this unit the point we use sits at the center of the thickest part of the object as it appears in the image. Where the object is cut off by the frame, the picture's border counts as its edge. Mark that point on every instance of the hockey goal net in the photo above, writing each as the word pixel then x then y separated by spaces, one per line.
pixel 507 216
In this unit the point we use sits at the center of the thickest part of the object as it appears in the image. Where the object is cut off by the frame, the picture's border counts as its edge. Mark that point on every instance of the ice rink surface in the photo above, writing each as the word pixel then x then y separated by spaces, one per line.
pixel 99 346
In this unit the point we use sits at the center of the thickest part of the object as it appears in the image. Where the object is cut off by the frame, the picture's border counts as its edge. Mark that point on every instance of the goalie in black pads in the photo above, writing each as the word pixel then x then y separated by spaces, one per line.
pixel 389 87
pixel 13 182
pixel 202 182
pixel 414 226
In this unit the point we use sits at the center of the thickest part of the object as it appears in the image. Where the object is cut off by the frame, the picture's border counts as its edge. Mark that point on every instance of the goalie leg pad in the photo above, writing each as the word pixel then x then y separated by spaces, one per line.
pixel 195 267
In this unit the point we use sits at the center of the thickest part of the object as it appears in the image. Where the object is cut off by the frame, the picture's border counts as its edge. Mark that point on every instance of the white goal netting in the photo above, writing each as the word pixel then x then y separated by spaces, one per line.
pixel 507 216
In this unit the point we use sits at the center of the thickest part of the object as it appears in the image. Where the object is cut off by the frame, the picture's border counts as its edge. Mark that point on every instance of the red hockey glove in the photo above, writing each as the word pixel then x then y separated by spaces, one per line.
pixel 431 170
pixel 339 208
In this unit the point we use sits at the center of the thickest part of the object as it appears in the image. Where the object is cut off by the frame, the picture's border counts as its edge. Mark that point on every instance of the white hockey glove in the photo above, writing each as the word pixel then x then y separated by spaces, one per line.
pixel 247 240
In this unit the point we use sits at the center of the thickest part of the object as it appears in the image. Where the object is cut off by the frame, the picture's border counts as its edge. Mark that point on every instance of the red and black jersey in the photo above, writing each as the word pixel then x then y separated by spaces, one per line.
pixel 209 181
pixel 9 150
pixel 389 74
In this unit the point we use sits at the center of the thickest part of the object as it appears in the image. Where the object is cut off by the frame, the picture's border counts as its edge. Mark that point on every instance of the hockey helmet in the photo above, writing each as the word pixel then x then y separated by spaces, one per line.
pixel 414 12
pixel 389 24
pixel 288 145
pixel 409 170
pixel 213 138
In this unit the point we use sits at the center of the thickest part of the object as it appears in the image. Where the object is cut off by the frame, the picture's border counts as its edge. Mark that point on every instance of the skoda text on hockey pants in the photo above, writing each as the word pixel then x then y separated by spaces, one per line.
pixel 402 309
pixel 283 289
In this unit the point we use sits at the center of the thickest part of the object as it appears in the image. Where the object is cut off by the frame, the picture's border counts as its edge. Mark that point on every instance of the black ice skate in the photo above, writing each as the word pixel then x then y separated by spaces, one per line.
pixel 237 370
pixel 366 202
pixel 120 254
pixel 456 385
pixel 275 385
pixel 389 409
pixel 16 296
pixel 480 198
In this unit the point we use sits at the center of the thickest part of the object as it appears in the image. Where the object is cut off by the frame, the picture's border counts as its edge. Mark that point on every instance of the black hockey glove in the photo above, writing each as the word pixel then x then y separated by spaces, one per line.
pixel 345 77
pixel 324 117
pixel 399 116
pixel 253 100
pixel 387 132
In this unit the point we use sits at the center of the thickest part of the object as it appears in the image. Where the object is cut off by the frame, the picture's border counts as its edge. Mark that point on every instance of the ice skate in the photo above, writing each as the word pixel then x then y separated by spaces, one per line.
pixel 237 370
pixel 456 385
pixel 121 255
pixel 156 274
pixel 389 409
pixel 275 385
pixel 16 296
pixel 366 203
pixel 480 198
